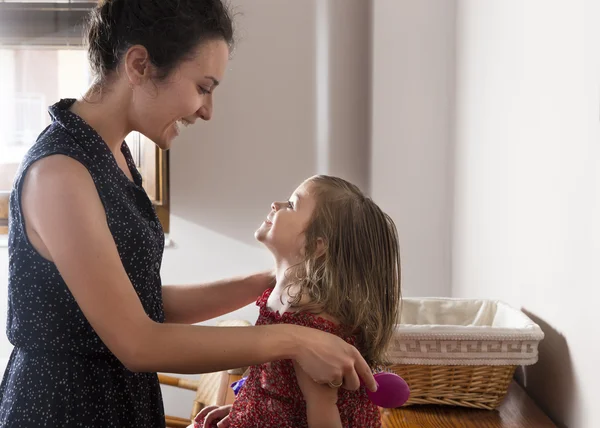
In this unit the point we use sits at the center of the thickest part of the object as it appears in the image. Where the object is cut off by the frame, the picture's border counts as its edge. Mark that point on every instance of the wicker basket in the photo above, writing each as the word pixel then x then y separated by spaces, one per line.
pixel 461 352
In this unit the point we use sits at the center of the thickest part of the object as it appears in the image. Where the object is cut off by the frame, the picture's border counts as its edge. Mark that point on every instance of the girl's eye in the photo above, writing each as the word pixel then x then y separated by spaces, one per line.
pixel 290 205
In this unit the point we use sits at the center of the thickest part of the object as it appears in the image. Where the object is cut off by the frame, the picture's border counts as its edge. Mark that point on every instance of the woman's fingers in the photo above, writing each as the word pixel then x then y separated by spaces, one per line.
pixel 351 380
pixel 362 369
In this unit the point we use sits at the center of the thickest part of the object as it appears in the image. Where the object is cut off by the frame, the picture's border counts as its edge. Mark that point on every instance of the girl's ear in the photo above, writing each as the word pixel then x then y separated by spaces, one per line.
pixel 321 247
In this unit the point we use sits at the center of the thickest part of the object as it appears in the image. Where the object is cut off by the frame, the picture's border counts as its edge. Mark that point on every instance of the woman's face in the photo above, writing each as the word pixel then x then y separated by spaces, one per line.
pixel 161 107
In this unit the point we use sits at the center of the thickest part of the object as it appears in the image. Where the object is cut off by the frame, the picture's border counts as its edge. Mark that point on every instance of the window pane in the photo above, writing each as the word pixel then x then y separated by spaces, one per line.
pixel 30 80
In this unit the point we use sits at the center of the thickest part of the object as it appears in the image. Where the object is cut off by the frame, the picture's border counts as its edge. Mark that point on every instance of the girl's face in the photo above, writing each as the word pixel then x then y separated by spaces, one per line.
pixel 160 108
pixel 282 232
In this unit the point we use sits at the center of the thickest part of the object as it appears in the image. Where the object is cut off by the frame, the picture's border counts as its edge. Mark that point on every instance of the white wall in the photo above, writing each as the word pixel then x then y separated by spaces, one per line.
pixel 344 77
pixel 411 164
pixel 527 209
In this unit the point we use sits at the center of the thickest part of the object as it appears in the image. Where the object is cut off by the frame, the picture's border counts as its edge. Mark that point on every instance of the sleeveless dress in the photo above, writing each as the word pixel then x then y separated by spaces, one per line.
pixel 271 397
pixel 60 374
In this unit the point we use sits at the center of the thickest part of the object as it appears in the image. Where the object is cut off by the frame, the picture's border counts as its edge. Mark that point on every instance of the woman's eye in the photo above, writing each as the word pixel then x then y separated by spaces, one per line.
pixel 203 90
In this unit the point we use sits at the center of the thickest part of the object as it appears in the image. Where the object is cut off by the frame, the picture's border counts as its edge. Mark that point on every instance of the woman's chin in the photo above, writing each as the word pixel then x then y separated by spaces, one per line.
pixel 166 140
pixel 165 145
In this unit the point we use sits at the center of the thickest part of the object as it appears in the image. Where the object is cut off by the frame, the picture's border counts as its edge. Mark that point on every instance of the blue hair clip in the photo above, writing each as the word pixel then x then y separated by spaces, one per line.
pixel 237 386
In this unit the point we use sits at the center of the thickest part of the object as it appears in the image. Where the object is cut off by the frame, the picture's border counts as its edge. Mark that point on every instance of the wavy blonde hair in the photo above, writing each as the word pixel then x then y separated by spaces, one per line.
pixel 355 275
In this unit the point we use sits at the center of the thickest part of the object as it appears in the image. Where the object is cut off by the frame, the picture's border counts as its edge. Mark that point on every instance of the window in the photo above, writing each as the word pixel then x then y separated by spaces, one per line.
pixel 42 60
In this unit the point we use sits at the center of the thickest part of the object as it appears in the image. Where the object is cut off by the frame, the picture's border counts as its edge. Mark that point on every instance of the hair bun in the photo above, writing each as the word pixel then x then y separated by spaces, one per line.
pixel 169 30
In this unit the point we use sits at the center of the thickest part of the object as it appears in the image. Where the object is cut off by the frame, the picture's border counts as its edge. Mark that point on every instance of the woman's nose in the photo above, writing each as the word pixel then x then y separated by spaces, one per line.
pixel 205 112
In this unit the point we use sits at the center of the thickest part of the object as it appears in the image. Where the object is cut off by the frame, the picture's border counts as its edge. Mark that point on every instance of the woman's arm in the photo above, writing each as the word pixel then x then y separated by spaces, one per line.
pixel 189 304
pixel 65 216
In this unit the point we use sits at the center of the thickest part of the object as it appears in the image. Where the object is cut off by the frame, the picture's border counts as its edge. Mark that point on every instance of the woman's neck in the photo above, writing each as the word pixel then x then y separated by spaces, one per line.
pixel 105 111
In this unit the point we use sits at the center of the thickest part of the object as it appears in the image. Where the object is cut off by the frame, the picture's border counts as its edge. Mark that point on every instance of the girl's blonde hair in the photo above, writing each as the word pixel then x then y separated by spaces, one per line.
pixel 355 275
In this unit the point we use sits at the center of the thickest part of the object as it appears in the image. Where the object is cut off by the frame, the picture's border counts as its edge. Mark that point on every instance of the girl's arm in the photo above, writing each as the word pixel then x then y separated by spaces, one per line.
pixel 321 402
pixel 190 304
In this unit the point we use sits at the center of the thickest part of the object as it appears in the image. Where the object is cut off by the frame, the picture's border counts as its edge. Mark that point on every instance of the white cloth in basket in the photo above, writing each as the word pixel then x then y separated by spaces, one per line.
pixel 437 331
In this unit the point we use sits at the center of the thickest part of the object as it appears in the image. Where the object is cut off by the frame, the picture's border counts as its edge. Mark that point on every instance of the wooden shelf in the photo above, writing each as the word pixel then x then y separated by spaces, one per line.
pixel 517 410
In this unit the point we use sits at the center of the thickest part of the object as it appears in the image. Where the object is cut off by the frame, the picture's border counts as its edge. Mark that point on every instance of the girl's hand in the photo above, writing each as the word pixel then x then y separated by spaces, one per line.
pixel 213 416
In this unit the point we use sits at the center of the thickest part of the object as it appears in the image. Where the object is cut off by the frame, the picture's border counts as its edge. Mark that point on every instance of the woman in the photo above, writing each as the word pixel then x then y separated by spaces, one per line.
pixel 88 317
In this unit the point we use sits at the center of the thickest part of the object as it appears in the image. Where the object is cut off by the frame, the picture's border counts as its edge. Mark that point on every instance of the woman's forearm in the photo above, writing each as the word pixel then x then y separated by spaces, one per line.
pixel 190 304
pixel 178 348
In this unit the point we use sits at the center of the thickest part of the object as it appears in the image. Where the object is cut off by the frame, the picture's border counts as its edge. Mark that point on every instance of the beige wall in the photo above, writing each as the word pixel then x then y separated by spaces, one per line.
pixel 411 166
pixel 528 183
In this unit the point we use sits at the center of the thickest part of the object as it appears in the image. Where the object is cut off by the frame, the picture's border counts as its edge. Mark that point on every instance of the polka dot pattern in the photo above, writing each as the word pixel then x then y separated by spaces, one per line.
pixel 60 373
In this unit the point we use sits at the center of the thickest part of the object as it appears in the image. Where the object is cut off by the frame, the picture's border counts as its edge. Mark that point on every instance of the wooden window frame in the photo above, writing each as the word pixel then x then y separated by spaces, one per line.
pixel 153 165
pixel 4 212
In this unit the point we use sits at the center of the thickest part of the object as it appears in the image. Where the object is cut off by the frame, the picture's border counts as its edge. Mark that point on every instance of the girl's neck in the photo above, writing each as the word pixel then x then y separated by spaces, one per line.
pixel 281 268
pixel 280 296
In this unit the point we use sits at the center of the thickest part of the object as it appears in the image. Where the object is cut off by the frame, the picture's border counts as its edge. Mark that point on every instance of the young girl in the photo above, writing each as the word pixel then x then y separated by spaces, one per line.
pixel 338 270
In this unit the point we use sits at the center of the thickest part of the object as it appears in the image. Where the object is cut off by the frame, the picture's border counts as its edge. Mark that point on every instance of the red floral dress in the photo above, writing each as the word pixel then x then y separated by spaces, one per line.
pixel 271 397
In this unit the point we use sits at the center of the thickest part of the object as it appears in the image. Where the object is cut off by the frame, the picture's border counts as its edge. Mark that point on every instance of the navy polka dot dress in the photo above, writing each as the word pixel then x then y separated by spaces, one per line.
pixel 60 373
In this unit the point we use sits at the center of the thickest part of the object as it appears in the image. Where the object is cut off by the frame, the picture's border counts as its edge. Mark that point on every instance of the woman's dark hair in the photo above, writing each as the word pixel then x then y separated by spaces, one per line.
pixel 170 30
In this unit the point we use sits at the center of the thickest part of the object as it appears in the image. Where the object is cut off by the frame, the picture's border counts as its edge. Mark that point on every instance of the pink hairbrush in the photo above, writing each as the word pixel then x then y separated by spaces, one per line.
pixel 392 391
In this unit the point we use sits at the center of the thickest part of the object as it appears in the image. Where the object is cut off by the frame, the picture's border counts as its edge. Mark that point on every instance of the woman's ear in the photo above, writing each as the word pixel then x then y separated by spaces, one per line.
pixel 137 64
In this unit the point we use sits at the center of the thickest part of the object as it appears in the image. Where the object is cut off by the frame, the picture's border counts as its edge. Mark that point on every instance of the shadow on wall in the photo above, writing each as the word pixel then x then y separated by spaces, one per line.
pixel 224 187
pixel 551 381
pixel 260 143
pixel 262 140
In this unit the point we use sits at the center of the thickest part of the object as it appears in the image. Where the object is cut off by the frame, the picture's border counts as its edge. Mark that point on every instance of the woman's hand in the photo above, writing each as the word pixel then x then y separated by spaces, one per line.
pixel 327 359
pixel 213 416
